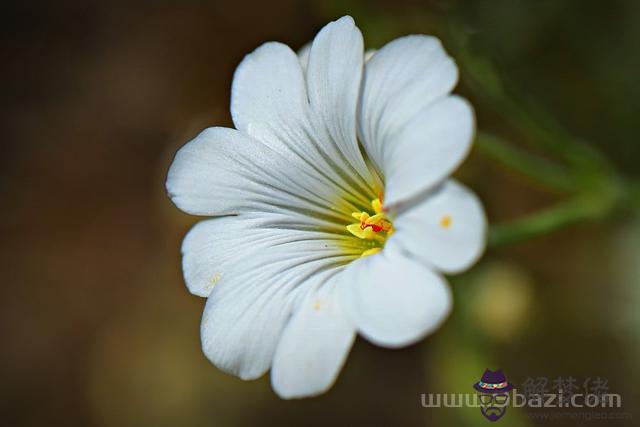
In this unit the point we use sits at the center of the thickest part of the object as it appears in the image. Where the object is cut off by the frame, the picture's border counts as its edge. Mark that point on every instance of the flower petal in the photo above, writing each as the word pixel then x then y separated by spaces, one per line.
pixel 402 78
pixel 213 247
pixel 313 347
pixel 222 172
pixel 368 54
pixel 303 56
pixel 334 72
pixel 447 230
pixel 392 299
pixel 269 96
pixel 269 101
pixel 247 311
pixel 428 149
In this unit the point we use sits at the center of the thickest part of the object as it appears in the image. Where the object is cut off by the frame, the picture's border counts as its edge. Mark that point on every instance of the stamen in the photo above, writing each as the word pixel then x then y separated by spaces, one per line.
pixel 376 204
pixel 374 228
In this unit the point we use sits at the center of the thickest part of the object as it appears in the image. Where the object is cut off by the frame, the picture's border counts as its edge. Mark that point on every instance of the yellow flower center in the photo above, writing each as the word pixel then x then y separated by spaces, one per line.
pixel 373 229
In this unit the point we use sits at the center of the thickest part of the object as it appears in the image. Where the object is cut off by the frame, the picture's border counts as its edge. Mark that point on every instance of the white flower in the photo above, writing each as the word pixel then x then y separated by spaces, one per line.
pixel 301 255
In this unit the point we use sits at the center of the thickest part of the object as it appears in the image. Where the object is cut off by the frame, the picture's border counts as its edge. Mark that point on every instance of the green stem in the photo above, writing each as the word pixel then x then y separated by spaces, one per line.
pixel 484 81
pixel 481 77
pixel 592 203
pixel 539 169
pixel 634 194
pixel 592 183
pixel 540 223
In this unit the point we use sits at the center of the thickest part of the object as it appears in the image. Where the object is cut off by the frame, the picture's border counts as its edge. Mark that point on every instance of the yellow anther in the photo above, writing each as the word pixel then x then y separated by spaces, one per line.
pixel 376 204
pixel 376 219
pixel 374 228
pixel 362 233
pixel 360 216
pixel 445 221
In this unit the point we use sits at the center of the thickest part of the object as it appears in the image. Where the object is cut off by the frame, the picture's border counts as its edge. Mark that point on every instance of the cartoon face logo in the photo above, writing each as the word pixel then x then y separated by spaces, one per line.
pixel 493 406
pixel 493 390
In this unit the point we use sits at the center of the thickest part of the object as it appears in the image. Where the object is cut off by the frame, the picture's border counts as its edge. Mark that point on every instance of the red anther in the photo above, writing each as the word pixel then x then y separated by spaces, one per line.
pixel 375 227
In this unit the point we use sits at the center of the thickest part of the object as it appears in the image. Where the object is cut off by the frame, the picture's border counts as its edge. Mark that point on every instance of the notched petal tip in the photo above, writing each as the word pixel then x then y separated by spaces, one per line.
pixel 346 20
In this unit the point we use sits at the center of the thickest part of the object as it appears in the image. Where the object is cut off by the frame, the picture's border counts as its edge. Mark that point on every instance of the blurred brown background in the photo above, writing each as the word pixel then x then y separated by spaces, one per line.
pixel 96 325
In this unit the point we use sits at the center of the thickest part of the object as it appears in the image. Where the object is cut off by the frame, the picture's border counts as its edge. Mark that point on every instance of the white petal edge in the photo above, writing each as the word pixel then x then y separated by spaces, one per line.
pixel 334 73
pixel 269 95
pixel 313 348
pixel 393 300
pixel 246 312
pixel 215 246
pixel 446 230
pixel 427 149
pixel 270 102
pixel 368 54
pixel 403 77
pixel 223 171
pixel 303 55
